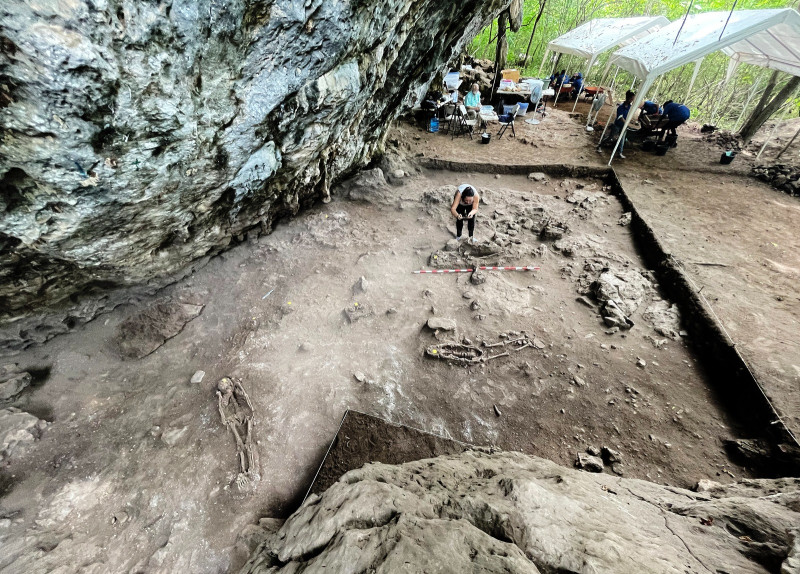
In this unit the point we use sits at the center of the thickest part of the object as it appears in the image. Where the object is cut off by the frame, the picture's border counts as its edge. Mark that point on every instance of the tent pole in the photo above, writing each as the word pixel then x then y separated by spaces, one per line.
pixel 586 75
pixel 777 123
pixel 611 96
pixel 546 51
pixel 694 77
pixel 636 101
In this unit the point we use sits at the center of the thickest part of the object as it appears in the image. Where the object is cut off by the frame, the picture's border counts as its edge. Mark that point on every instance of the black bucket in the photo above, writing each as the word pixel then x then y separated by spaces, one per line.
pixel 486 138
pixel 662 149
pixel 648 145
pixel 727 157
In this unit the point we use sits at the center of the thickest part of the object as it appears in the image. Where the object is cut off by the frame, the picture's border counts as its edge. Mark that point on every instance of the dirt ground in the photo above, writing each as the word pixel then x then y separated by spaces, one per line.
pixel 137 473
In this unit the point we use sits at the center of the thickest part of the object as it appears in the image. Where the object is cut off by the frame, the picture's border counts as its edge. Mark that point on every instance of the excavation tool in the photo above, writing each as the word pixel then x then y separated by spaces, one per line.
pixel 526 268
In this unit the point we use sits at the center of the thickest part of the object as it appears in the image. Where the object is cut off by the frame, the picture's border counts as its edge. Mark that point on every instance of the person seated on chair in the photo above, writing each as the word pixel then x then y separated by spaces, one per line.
pixel 472 102
pixel 619 123
pixel 577 84
pixel 676 115
pixel 559 79
pixel 434 100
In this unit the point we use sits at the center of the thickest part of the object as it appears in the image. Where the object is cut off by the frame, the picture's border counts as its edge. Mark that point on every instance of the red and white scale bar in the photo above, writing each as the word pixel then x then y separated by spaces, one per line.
pixel 526 268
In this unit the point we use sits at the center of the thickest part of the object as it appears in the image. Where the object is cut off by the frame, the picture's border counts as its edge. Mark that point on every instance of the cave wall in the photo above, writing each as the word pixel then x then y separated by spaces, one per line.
pixel 138 137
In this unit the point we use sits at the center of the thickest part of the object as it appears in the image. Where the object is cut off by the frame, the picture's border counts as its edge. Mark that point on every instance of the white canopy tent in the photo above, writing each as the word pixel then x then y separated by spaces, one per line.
pixel 767 38
pixel 593 38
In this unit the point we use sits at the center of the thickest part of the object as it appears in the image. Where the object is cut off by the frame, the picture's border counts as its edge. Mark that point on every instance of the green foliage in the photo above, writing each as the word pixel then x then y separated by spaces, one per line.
pixel 706 100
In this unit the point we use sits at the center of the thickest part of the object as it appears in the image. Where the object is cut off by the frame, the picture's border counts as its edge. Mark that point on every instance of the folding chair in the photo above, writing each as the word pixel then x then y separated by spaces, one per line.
pixel 463 123
pixel 505 125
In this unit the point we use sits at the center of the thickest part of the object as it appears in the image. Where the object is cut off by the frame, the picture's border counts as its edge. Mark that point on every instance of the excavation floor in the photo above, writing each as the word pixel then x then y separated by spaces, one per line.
pixel 137 473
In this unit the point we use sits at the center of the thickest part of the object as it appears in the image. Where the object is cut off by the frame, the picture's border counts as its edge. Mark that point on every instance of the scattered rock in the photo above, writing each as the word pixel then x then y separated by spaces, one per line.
pixel 305 347
pixel 452 245
pixel 579 381
pixel 477 277
pixel 586 301
pixel 537 176
pixel 705 485
pixel 391 311
pixel 538 343
pixel 610 455
pixel 18 430
pixel 441 324
pixel 641 363
pixel 618 469
pixel 197 377
pixel 359 376
pixel 13 386
pixel 589 463
pixel 625 219
pixel 360 286
pixel 497 411
pixel 357 311
pixel 593 450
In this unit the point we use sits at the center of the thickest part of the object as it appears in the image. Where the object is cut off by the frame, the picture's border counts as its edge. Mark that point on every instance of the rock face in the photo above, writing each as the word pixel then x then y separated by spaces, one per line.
pixel 139 136
pixel 507 512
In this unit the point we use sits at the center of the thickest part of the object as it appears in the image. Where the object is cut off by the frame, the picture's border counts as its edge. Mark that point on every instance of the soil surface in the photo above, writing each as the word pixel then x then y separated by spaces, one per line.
pixel 136 471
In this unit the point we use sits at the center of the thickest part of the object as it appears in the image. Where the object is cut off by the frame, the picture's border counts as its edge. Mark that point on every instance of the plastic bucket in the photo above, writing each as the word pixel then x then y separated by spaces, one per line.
pixel 523 109
pixel 433 126
pixel 648 145
pixel 486 138
pixel 508 109
pixel 727 157
pixel 662 149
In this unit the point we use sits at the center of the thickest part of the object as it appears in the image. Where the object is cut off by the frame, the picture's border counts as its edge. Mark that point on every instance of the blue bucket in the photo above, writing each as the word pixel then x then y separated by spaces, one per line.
pixel 523 109
pixel 434 125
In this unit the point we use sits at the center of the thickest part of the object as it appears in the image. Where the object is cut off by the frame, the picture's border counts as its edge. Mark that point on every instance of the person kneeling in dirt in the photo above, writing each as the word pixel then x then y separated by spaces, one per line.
pixel 676 114
pixel 619 123
pixel 465 206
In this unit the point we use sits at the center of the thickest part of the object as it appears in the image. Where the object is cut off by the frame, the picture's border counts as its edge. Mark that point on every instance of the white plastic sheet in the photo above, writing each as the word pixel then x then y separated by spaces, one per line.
pixel 767 38
pixel 602 34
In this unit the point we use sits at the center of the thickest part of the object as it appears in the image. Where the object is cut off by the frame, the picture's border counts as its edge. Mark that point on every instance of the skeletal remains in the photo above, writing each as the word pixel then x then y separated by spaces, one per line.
pixel 236 412
pixel 468 354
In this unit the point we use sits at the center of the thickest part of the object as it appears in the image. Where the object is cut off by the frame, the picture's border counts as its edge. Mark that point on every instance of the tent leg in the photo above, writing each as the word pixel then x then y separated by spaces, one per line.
pixel 694 77
pixel 637 100
pixel 611 95
pixel 586 75
pixel 546 51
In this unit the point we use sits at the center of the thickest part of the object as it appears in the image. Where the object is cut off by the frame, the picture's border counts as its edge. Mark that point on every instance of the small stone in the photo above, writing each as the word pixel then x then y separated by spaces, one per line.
pixel 398 174
pixel 537 176
pixel 475 306
pixel 589 463
pixel 538 344
pixel 197 377
pixel 579 381
pixel 625 219
pixel 11 389
pixel 305 347
pixel 593 450
pixel 704 485
pixel 441 324
pixel 391 311
pixel 452 245
pixel 641 363
pixel 618 469
pixel 360 286
pixel 497 176
pixel 359 376
pixel 586 301
pixel 497 411
pixel 610 455
pixel 478 277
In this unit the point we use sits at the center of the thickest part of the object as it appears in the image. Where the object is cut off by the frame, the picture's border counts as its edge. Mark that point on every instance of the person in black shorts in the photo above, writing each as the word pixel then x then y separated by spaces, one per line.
pixel 465 206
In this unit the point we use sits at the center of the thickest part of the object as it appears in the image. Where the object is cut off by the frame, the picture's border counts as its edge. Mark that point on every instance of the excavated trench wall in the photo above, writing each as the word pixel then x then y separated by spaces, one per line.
pixel 139 137
pixel 737 385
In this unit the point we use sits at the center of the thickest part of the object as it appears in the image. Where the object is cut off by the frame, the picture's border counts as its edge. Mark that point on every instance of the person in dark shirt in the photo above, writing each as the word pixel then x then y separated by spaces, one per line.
pixel 616 128
pixel 651 108
pixel 676 114
pixel 577 84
